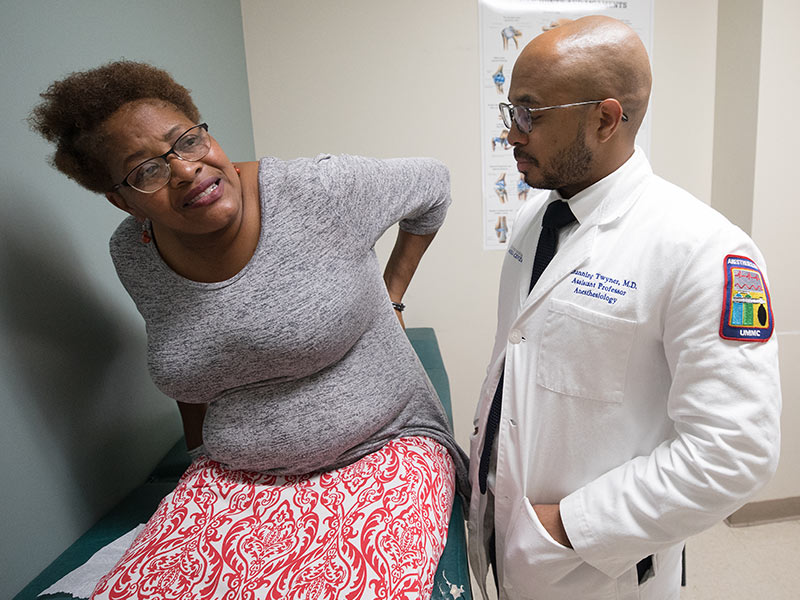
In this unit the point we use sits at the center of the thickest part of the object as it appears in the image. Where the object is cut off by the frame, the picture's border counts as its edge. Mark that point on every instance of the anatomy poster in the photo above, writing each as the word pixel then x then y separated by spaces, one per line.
pixel 506 26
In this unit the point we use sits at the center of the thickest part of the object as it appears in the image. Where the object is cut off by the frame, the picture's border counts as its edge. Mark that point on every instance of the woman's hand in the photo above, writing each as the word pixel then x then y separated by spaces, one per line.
pixel 407 252
pixel 399 315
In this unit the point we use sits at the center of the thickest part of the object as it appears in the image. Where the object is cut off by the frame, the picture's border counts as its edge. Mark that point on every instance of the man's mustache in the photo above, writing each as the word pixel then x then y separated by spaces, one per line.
pixel 524 156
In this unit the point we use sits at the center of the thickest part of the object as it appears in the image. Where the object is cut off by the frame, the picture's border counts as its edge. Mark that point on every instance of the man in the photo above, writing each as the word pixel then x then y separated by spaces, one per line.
pixel 635 386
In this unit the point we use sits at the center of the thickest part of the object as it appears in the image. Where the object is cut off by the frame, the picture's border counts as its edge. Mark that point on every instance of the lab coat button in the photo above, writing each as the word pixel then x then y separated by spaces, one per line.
pixel 515 337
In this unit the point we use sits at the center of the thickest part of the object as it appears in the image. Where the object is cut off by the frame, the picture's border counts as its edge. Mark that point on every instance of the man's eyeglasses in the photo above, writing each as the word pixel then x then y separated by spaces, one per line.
pixel 153 174
pixel 521 115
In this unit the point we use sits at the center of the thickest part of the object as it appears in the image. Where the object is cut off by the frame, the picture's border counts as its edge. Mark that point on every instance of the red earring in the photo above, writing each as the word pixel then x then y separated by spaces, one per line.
pixel 146 239
pixel 238 170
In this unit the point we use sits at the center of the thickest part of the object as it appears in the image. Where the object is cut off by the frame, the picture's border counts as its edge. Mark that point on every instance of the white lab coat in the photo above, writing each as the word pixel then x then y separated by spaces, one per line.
pixel 621 401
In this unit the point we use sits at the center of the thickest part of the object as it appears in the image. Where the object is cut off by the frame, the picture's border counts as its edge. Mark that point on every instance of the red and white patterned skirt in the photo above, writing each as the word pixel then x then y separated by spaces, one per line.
pixel 373 529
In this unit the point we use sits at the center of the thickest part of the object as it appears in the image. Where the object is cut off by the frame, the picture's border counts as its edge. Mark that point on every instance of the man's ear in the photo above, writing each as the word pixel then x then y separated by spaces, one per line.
pixel 610 119
pixel 117 200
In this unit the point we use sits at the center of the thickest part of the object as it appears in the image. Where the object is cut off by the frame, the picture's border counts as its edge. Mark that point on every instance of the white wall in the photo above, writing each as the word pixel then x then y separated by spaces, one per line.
pixel 384 78
pixel 736 110
pixel 682 104
pixel 776 213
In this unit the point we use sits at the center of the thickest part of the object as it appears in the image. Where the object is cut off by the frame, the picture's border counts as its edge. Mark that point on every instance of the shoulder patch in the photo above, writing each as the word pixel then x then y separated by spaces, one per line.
pixel 746 307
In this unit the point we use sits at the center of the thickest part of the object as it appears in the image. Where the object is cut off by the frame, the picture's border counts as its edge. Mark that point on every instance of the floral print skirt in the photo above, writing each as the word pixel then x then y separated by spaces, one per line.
pixel 373 529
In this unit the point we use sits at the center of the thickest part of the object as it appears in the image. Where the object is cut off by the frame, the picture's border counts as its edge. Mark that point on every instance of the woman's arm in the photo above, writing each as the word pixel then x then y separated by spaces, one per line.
pixel 407 252
pixel 192 416
pixel 370 195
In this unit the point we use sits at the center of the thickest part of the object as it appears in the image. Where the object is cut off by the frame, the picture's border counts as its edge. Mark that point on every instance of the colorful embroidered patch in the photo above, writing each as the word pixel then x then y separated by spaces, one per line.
pixel 746 309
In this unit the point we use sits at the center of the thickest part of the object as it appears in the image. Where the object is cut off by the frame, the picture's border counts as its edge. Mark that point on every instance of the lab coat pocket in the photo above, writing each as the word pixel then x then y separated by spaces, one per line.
pixel 584 353
pixel 534 564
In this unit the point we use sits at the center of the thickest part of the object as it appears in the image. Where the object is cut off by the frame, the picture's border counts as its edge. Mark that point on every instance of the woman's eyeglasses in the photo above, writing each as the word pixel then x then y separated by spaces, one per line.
pixel 154 173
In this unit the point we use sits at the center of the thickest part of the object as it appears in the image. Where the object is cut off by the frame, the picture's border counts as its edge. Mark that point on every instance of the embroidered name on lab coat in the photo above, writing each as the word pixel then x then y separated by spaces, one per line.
pixel 746 308
pixel 599 286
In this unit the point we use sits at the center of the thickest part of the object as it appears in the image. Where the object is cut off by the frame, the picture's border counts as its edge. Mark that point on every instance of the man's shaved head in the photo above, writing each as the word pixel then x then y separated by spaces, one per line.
pixel 592 58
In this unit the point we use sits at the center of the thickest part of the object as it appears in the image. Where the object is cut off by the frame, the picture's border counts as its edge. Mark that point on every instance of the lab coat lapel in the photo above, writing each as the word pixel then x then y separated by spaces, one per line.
pixel 575 252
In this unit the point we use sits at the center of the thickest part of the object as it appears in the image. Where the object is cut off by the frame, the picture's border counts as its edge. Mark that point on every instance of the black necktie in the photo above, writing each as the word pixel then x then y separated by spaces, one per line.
pixel 557 216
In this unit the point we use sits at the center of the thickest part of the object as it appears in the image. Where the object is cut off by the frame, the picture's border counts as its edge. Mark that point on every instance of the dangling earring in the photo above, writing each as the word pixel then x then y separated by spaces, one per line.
pixel 238 170
pixel 146 239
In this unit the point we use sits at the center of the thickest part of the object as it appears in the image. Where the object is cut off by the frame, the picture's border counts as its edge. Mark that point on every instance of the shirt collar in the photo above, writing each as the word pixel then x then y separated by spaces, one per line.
pixel 596 201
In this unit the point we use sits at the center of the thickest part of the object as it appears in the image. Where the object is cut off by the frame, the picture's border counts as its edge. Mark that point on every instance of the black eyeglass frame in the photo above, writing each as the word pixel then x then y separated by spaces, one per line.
pixel 125 183
pixel 512 108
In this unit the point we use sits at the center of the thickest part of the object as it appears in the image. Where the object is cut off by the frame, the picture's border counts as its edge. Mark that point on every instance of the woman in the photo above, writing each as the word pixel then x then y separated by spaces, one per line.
pixel 323 462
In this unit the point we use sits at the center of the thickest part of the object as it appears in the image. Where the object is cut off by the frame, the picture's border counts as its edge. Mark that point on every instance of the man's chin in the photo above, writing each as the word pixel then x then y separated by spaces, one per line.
pixel 535 183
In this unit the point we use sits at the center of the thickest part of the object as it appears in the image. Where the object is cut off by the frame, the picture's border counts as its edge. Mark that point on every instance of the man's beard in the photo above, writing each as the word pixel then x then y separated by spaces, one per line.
pixel 568 166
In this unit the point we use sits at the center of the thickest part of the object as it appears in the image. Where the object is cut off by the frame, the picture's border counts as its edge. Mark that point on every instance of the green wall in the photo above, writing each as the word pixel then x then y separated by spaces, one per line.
pixel 80 421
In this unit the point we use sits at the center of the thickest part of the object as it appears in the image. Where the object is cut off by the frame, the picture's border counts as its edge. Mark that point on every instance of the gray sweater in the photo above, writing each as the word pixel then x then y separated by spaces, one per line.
pixel 300 356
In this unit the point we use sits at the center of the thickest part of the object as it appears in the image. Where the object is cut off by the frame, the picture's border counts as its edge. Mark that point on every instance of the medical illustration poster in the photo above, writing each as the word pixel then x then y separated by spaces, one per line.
pixel 506 26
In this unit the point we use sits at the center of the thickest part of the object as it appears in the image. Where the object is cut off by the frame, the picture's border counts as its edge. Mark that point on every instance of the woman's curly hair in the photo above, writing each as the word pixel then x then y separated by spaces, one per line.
pixel 75 108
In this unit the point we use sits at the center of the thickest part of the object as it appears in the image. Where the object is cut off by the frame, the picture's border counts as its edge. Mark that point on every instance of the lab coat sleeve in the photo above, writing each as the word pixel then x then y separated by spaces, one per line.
pixel 724 401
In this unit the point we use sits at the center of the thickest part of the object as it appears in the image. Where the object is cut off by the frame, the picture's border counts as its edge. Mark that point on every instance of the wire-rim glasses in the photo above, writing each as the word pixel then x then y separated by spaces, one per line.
pixel 521 115
pixel 151 175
